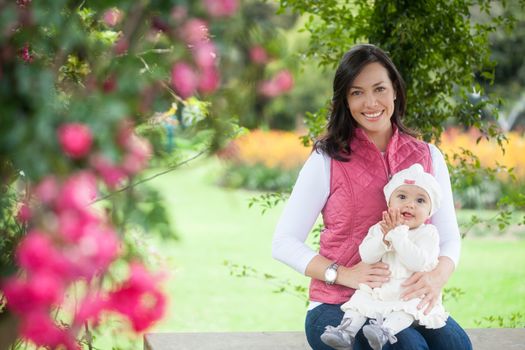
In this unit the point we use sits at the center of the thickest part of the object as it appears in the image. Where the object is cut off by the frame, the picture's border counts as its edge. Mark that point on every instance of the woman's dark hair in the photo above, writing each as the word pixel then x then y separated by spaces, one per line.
pixel 341 125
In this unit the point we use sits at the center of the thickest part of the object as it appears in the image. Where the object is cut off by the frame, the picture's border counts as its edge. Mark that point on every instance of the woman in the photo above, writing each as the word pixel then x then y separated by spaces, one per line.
pixel 343 178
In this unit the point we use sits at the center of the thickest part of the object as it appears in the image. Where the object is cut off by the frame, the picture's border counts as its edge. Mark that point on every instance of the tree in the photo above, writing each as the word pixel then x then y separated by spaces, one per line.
pixel 439 50
pixel 87 92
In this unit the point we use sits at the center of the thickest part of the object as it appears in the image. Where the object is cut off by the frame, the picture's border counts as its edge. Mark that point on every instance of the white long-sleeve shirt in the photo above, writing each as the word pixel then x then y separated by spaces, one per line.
pixel 310 194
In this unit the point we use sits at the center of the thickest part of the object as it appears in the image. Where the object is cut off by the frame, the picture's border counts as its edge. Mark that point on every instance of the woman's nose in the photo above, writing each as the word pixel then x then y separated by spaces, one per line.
pixel 371 100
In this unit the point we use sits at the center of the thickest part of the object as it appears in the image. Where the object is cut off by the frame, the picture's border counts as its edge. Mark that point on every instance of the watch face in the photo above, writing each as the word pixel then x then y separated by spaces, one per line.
pixel 330 275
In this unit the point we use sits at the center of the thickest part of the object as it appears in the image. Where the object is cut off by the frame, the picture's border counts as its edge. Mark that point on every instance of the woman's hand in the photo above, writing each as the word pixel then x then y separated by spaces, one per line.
pixel 373 275
pixel 428 285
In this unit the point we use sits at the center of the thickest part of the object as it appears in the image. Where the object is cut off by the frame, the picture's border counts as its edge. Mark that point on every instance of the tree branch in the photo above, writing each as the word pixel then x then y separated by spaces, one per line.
pixel 169 169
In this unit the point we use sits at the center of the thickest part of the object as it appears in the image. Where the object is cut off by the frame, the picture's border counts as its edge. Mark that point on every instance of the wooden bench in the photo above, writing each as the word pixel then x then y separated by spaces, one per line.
pixel 482 339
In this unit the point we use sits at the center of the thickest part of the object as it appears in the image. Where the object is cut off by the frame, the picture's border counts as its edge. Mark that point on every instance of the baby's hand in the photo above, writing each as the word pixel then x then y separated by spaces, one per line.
pixel 391 219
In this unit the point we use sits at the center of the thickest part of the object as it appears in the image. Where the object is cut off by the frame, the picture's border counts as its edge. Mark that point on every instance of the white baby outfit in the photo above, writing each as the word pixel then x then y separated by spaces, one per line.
pixel 415 250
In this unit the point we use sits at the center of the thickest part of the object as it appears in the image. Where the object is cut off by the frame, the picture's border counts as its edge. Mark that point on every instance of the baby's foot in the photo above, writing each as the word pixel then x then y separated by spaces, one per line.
pixel 377 336
pixel 338 337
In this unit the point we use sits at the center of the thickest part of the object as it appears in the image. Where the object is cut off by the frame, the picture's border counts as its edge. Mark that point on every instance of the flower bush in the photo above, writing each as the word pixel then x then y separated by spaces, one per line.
pixel 84 90
pixel 506 169
pixel 263 160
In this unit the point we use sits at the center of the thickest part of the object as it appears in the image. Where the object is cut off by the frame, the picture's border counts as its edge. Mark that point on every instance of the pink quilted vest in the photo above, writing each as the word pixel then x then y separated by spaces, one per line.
pixel 356 201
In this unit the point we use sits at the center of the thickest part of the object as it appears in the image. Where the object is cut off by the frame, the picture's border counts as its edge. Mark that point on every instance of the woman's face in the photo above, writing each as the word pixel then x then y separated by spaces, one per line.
pixel 371 99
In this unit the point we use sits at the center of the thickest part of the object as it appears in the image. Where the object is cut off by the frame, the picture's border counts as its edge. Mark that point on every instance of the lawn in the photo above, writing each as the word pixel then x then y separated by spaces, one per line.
pixel 215 225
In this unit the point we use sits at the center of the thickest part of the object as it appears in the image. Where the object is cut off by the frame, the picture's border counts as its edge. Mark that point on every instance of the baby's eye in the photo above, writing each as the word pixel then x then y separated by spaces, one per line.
pixel 421 200
pixel 401 196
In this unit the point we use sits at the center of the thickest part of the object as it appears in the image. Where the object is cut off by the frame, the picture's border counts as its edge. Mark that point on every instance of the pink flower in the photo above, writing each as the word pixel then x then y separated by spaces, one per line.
pixel 24 213
pixel 194 31
pixel 139 298
pixel 121 46
pixel 258 55
pixel 139 152
pixel 40 292
pixel 73 224
pixel 284 80
pixel 179 12
pixel 47 189
pixel 37 253
pixel 183 79
pixel 97 250
pixel 78 191
pixel 112 175
pixel 75 139
pixel 25 54
pixel 221 8
pixel 90 309
pixel 205 54
pixel 112 17
pixel 209 80
pixel 39 328
pixel 269 89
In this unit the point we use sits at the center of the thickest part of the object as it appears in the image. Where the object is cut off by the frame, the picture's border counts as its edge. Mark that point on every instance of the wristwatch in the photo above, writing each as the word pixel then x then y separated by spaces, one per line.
pixel 330 274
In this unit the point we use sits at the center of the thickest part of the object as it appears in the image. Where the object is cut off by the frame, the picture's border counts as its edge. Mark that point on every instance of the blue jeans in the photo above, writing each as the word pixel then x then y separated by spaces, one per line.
pixel 449 337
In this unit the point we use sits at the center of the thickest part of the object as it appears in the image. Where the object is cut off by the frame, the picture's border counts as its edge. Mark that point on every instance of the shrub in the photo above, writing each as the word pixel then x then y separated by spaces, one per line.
pixel 485 189
pixel 263 160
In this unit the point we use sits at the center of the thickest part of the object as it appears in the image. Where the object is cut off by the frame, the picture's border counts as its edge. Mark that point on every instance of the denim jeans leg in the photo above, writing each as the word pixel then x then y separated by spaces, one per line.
pixel 317 319
pixel 451 336
pixel 407 339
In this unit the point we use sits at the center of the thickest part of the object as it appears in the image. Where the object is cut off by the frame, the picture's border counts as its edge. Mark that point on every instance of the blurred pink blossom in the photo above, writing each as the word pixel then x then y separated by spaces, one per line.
pixel 139 151
pixel 47 189
pixel 25 54
pixel 121 46
pixel 112 17
pixel 194 31
pixel 183 79
pixel 75 139
pixel 39 328
pixel 38 293
pixel 78 191
pixel 139 298
pixel 73 224
pixel 37 253
pixel 96 250
pixel 269 89
pixel 258 55
pixel 209 80
pixel 221 8
pixel 204 54
pixel 179 13
pixel 24 213
pixel 90 308
pixel 112 174
pixel 282 82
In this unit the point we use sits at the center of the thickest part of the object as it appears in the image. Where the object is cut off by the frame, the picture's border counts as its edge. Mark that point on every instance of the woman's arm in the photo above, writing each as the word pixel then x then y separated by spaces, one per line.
pixel 445 218
pixel 306 201
pixel 302 209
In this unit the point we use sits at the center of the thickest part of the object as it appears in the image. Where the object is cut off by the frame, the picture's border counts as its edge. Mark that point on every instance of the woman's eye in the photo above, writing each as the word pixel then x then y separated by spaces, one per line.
pixel 355 93
pixel 380 89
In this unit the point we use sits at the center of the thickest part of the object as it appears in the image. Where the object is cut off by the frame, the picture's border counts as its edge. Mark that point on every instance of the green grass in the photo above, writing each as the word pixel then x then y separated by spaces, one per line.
pixel 215 224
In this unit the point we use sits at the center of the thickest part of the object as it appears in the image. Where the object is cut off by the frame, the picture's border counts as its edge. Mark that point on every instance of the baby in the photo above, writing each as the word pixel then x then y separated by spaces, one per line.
pixel 404 242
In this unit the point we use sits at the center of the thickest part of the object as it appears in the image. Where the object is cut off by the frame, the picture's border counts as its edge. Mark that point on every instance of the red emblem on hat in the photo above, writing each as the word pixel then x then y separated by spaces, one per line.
pixel 410 182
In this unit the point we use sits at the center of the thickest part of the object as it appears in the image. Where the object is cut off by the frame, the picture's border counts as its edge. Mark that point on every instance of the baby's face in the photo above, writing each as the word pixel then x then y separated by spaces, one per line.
pixel 413 202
